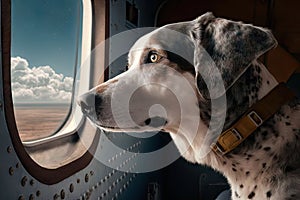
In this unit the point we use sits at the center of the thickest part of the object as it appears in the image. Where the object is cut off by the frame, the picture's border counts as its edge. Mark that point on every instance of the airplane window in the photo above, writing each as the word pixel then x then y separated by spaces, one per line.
pixel 44 58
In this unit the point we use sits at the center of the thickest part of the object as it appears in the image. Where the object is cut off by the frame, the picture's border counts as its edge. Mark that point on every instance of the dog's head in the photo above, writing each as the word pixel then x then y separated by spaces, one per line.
pixel 172 70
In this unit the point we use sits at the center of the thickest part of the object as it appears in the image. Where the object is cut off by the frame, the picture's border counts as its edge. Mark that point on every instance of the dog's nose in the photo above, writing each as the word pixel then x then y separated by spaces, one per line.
pixel 86 102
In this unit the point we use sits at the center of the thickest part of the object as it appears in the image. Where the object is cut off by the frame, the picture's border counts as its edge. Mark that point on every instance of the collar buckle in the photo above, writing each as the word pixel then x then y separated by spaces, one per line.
pixel 255 118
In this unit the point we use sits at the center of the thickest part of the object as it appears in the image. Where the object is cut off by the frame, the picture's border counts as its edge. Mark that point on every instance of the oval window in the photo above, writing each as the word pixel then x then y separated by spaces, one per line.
pixel 44 59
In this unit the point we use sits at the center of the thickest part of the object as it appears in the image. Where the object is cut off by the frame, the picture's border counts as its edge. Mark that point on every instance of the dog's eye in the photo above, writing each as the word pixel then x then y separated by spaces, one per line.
pixel 153 57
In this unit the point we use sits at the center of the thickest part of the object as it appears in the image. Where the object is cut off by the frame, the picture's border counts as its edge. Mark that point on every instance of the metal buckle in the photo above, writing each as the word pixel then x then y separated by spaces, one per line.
pixel 255 118
pixel 219 148
pixel 237 134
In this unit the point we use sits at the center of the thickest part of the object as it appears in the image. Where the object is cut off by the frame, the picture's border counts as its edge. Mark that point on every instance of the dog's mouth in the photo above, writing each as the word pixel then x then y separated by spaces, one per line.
pixel 152 123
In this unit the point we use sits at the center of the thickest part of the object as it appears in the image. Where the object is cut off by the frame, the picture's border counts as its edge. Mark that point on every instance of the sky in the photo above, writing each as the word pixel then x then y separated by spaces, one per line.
pixel 44 36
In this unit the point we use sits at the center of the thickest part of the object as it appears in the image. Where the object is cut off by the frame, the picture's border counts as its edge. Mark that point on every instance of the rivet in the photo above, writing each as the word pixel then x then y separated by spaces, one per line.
pixel 9 149
pixel 86 178
pixel 31 182
pixel 88 194
pixel 21 197
pixel 23 181
pixel 31 197
pixel 38 193
pixel 62 194
pixel 56 196
pixel 11 171
pixel 71 188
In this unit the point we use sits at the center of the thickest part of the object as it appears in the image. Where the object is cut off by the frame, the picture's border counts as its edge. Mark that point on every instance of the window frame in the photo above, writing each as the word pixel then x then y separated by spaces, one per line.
pixel 99 32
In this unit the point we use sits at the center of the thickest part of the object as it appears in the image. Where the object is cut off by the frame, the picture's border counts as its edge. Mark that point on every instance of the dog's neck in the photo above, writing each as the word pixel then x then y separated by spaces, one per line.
pixel 247 163
pixel 254 84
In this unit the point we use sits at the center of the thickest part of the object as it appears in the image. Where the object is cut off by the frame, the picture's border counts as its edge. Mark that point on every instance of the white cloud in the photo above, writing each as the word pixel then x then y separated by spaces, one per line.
pixel 38 84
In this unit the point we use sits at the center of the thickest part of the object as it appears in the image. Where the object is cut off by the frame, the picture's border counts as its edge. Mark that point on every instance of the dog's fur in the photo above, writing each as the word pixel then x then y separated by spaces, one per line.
pixel 267 164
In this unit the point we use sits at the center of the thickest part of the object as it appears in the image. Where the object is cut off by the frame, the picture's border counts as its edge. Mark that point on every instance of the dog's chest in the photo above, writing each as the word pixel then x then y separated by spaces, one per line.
pixel 259 168
pixel 256 169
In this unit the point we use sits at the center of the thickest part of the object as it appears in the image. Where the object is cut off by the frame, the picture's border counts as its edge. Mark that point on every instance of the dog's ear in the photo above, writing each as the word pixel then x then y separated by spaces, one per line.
pixel 223 51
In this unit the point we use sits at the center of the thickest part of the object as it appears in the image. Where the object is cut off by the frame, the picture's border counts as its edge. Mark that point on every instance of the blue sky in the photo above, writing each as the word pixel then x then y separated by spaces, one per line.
pixel 44 32
pixel 43 54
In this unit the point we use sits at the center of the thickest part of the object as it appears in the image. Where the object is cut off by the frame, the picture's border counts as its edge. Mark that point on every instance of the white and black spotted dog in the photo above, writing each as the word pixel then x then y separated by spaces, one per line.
pixel 267 164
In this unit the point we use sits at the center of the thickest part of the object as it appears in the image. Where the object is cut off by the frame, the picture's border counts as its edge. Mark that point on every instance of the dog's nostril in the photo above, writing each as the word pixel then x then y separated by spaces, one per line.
pixel 148 121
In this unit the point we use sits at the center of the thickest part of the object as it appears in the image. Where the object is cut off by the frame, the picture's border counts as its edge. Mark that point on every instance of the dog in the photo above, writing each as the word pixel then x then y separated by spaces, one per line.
pixel 171 84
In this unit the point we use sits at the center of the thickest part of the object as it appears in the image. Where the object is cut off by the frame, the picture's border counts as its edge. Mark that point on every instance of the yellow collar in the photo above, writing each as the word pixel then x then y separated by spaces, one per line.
pixel 254 118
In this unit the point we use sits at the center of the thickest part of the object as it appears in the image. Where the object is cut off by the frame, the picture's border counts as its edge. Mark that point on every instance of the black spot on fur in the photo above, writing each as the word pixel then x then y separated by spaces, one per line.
pixel 251 195
pixel 267 148
pixel 241 186
pixel 269 194
pixel 236 194
pixel 233 169
pixel 247 173
pixel 264 165
pixel 287 123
